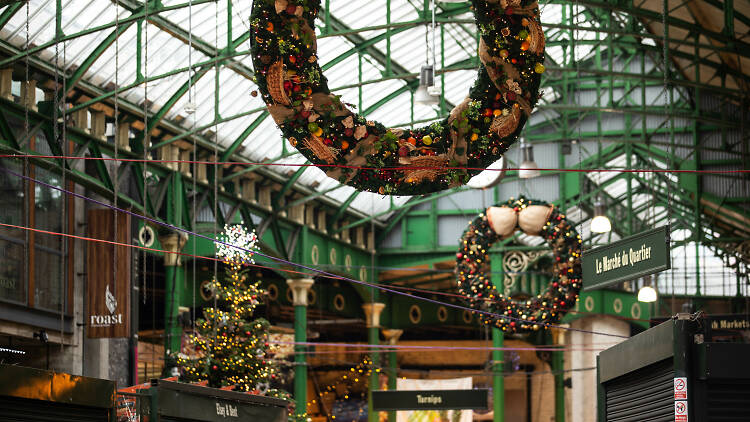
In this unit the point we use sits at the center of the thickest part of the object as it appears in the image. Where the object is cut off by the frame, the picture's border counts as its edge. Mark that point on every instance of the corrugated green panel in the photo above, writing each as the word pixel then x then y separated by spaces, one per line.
pixel 200 246
pixel 588 303
pixel 611 302
pixel 191 295
pixel 298 255
pixel 267 238
pixel 419 231
pixel 332 297
pixel 410 260
pixel 314 251
pixel 408 312
pixel 333 255
pixel 626 305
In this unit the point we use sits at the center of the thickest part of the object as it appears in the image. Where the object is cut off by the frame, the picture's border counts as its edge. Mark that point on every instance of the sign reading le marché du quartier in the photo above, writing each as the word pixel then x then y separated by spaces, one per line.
pixel 627 259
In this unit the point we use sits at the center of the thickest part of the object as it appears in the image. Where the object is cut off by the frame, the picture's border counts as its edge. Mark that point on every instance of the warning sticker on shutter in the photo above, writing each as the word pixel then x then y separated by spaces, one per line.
pixel 681 411
pixel 680 388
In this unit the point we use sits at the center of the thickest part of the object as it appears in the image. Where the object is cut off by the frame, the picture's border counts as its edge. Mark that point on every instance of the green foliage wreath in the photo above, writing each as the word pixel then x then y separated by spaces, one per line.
pixel 367 155
pixel 533 217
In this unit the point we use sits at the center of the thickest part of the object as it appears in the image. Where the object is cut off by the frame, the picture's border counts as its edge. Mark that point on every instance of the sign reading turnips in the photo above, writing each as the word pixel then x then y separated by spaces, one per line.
pixel 476 398
pixel 108 276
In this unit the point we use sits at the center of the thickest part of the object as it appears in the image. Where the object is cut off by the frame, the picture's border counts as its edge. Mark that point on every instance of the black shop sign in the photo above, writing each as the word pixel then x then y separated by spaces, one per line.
pixel 430 400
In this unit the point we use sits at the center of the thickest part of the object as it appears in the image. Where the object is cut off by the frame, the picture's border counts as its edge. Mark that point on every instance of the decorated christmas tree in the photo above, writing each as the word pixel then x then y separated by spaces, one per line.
pixel 229 348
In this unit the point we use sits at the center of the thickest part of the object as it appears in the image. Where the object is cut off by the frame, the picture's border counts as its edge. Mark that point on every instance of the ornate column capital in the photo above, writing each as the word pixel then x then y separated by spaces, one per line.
pixel 558 334
pixel 392 335
pixel 372 313
pixel 172 242
pixel 300 287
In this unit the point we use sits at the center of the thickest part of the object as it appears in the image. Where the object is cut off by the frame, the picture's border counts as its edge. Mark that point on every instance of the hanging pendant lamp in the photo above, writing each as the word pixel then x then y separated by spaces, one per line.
pixel 600 223
pixel 528 168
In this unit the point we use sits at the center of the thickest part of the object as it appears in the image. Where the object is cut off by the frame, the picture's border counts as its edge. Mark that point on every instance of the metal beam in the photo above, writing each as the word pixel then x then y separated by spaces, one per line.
pixel 183 35
pixel 136 15
pixel 92 57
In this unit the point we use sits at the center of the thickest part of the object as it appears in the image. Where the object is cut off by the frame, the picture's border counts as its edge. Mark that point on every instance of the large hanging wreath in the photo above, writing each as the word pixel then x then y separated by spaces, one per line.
pixel 533 218
pixel 366 154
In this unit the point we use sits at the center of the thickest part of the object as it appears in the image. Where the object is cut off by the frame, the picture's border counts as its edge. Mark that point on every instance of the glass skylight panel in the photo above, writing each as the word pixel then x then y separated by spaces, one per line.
pixel 209 26
pixel 575 214
pixel 458 84
pixel 396 111
pixel 527 240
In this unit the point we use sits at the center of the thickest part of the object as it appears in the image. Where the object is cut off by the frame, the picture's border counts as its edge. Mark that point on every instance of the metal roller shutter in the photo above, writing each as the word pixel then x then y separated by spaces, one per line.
pixel 727 400
pixel 644 395
pixel 25 410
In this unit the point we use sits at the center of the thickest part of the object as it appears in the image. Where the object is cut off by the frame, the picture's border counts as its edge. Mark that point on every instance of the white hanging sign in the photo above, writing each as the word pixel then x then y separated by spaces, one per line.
pixel 680 388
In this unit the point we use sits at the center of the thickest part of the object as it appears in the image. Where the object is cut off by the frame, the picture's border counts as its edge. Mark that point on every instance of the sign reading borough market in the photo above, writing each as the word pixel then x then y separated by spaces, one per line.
pixel 430 400
pixel 636 256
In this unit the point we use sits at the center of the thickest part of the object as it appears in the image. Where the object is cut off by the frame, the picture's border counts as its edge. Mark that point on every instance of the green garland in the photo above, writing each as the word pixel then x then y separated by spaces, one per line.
pixel 532 314
pixel 367 155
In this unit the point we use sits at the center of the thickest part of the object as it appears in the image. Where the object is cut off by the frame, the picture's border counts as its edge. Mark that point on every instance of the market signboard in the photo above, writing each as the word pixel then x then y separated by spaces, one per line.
pixel 195 403
pixel 108 271
pixel 430 400
pixel 627 259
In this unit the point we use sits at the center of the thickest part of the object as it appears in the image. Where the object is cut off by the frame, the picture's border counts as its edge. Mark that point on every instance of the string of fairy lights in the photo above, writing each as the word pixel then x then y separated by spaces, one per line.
pixel 229 348
pixel 352 382
pixel 233 347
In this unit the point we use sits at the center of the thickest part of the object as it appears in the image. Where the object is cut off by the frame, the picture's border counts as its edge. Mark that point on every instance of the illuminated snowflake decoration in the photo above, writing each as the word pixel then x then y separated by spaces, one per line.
pixel 238 244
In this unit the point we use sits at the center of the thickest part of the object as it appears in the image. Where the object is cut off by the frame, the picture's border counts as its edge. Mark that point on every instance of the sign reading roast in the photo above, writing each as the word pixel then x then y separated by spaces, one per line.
pixel 108 275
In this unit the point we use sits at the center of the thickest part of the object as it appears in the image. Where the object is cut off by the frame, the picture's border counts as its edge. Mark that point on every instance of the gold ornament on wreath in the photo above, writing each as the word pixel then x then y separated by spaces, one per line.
pixel 371 157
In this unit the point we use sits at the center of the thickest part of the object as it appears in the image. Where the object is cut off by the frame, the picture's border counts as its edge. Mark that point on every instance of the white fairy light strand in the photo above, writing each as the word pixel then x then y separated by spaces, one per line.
pixel 237 245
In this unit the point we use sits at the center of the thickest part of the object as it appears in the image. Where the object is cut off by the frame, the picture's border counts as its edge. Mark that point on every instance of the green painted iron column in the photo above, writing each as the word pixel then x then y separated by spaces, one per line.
pixel 392 337
pixel 174 277
pixel 558 368
pixel 372 318
pixel 300 287
pixel 498 383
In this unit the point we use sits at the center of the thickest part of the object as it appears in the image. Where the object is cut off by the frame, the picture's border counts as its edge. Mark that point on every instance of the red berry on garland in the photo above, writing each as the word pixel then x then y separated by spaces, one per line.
pixel 214 367
pixel 287 85
pixel 290 9
pixel 403 151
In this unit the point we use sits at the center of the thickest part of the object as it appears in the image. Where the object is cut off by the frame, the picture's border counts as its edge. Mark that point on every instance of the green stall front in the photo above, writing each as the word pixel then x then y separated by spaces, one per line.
pixel 167 401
